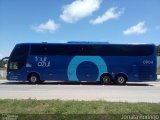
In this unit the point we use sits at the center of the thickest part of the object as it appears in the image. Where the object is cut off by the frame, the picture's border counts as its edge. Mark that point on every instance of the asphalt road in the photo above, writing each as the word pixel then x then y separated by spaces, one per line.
pixel 132 92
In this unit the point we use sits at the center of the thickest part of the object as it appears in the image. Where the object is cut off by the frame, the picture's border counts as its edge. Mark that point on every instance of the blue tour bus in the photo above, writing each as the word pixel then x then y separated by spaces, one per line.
pixel 99 62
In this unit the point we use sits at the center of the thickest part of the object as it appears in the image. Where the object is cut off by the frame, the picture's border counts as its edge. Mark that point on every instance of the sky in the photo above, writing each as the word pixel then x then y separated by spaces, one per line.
pixel 113 21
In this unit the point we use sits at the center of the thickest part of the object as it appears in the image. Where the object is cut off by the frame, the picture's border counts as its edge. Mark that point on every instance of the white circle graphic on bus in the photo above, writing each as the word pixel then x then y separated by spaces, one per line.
pixel 97 60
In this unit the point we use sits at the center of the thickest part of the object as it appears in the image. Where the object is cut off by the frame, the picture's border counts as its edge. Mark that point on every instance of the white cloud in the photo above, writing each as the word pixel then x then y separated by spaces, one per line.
pixel 111 13
pixel 79 9
pixel 136 29
pixel 49 26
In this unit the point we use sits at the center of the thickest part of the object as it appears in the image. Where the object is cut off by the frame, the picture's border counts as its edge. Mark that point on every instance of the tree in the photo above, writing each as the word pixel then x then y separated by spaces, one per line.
pixel 158 50
pixel 3 62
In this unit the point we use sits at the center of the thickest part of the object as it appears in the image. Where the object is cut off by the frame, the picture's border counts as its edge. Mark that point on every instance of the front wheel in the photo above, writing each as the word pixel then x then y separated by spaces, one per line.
pixel 121 80
pixel 33 79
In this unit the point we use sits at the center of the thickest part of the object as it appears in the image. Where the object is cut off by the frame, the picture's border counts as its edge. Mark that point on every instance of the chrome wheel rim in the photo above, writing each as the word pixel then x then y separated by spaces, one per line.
pixel 33 79
pixel 106 79
pixel 121 80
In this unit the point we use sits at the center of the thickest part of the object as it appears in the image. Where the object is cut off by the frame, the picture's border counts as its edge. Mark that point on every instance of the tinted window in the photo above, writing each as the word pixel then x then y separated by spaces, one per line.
pixel 18 57
pixel 100 50
pixel 56 49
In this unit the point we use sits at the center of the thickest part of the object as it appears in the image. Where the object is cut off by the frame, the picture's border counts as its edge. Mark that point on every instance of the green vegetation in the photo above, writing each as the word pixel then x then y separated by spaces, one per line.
pixel 30 109
pixel 158 71
pixel 3 62
pixel 2 76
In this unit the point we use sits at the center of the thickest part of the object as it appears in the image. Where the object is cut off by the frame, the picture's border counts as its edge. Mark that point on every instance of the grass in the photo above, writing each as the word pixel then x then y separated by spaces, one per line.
pixel 59 109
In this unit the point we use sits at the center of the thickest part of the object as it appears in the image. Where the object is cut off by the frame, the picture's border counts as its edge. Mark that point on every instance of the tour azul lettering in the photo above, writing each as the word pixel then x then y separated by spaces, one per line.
pixel 42 61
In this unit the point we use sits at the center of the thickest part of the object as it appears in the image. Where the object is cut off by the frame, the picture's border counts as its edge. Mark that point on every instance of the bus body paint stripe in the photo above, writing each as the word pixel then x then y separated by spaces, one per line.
pixel 97 60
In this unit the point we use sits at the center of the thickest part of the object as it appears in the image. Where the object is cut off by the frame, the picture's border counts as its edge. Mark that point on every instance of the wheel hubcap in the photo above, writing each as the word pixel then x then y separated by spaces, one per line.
pixel 121 80
pixel 106 79
pixel 33 79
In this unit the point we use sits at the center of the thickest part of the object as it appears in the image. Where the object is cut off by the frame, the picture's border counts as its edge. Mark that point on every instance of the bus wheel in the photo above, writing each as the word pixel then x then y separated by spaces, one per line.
pixel 34 79
pixel 121 79
pixel 106 79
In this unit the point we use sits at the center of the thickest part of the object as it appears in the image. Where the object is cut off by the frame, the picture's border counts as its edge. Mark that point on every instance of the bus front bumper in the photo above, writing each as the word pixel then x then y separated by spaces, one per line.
pixel 16 77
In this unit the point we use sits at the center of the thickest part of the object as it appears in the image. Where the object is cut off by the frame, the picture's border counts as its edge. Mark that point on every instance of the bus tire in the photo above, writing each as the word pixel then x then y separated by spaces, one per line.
pixel 121 79
pixel 106 79
pixel 33 78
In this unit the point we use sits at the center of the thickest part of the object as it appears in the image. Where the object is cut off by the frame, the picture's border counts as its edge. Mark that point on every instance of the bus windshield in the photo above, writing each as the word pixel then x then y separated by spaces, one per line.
pixel 18 57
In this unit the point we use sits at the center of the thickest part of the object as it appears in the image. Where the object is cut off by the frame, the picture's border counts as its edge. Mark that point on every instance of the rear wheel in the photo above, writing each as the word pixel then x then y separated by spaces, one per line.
pixel 121 80
pixel 106 79
pixel 34 79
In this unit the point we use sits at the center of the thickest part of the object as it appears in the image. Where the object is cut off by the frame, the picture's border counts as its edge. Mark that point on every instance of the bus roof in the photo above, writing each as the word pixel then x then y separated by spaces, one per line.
pixel 88 43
